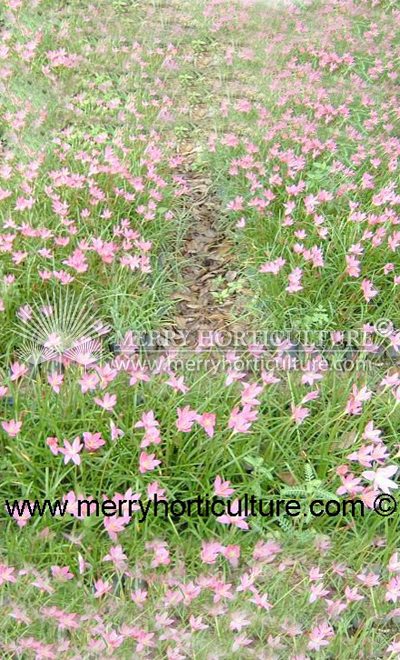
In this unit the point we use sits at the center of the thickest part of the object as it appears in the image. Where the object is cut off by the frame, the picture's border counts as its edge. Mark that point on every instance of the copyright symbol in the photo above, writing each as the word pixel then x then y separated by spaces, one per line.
pixel 385 505
pixel 383 327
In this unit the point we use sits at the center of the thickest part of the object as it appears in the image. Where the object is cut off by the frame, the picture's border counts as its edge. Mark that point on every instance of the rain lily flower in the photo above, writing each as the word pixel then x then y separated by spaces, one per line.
pixel 12 427
pixel 381 478
pixel 71 451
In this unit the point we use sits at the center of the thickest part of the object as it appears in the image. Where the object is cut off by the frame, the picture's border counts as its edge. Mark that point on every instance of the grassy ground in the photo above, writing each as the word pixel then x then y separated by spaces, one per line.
pixel 139 142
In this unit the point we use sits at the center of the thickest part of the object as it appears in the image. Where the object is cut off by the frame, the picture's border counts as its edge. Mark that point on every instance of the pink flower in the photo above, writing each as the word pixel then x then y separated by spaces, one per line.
pixel 151 437
pixel 354 404
pixel 42 584
pixel 222 488
pixel 147 421
pixel 235 205
pixel 207 422
pixel 71 451
pixel 20 616
pixel 318 635
pixel 232 554
pixel 12 427
pixel 62 574
pixel 261 601
pixel 153 490
pixel 310 396
pixel 299 414
pixel 317 591
pixel 137 374
pixel 315 573
pixel 393 589
pixel 239 642
pixel 53 341
pixel 269 378
pixel 101 588
pixel 232 375
pixel 368 497
pixel 369 579
pixel 380 478
pixel 114 525
pixel 368 453
pixel 77 261
pixel 117 556
pixel 234 515
pixel 25 313
pixel 197 623
pixel 22 519
pixel 273 267
pixel 93 441
pixel 371 433
pixel 368 290
pixel 294 281
pixel 147 462
pixel 238 621
pixel 249 394
pixel 186 419
pixel 18 370
pixel 353 265
pixel 394 647
pixel 174 653
pixel 144 640
pixel 350 484
pixel 241 420
pixel 115 432
pixel 177 383
pixel 352 595
pixel 394 563
pixel 210 551
pixel 53 445
pixel 139 597
pixel 6 574
pixel 266 551
pixel 82 564
pixel 89 381
pixel 108 402
pixel 55 380
pixel 161 557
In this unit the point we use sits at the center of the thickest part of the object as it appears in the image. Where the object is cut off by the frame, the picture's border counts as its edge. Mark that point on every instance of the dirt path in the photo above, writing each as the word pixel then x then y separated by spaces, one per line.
pixel 209 294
